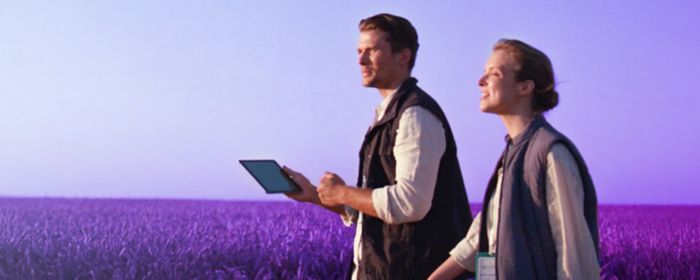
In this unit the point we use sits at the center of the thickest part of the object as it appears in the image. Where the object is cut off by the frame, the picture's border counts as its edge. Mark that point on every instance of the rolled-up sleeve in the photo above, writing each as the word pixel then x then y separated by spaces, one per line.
pixel 465 251
pixel 420 144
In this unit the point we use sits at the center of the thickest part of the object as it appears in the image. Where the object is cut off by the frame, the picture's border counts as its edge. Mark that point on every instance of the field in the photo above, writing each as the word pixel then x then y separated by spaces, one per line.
pixel 183 239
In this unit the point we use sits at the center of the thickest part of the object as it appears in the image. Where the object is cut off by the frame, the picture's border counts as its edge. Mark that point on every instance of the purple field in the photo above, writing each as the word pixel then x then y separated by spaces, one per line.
pixel 184 239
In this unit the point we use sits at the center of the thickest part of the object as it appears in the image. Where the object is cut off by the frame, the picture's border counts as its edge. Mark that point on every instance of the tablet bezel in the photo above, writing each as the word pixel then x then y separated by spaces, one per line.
pixel 284 175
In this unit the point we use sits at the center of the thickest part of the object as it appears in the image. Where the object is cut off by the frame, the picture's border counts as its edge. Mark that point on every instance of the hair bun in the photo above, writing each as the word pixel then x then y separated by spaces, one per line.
pixel 543 101
pixel 552 98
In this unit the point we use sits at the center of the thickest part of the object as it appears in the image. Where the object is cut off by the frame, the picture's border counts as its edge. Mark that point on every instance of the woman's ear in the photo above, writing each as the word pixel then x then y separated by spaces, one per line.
pixel 526 87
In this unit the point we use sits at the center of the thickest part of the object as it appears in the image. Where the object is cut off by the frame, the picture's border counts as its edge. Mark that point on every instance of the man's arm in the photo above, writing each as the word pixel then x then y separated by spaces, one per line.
pixel 308 192
pixel 333 192
pixel 420 144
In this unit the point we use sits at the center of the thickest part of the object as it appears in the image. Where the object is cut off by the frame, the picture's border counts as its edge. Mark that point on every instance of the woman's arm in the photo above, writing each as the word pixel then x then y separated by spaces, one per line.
pixel 463 256
pixel 447 270
pixel 576 256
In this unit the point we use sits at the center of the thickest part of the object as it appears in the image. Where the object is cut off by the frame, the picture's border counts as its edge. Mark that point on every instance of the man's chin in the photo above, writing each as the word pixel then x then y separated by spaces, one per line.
pixel 369 83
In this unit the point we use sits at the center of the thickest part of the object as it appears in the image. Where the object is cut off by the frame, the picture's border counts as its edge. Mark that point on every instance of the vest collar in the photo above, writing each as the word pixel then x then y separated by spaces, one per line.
pixel 535 124
pixel 391 109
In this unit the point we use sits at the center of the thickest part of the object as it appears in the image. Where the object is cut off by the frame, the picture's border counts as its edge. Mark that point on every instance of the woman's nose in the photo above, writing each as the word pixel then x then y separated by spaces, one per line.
pixel 482 81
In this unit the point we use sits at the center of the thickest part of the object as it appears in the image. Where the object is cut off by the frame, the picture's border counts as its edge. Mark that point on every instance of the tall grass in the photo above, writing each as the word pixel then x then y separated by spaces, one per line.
pixel 180 239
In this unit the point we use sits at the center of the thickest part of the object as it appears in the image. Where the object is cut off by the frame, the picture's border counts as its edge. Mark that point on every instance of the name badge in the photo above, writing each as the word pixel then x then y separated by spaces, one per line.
pixel 485 266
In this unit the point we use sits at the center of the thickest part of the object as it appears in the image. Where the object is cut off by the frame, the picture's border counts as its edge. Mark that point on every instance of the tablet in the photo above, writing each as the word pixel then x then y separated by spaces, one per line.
pixel 270 176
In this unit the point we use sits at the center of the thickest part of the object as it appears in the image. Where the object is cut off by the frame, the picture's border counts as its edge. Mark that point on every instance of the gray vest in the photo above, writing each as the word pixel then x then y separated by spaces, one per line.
pixel 525 246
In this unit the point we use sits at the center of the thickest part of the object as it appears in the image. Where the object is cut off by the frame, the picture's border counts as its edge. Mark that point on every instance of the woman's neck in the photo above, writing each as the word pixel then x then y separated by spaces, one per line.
pixel 516 123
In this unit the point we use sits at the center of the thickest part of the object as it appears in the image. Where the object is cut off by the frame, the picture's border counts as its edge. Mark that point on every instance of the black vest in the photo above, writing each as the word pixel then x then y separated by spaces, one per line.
pixel 410 250
pixel 525 246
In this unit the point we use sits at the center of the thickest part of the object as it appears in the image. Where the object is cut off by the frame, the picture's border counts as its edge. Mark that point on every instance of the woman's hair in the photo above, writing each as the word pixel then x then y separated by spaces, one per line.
pixel 534 66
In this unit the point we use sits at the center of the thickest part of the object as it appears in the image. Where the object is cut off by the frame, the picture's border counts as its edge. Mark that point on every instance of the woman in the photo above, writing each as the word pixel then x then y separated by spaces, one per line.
pixel 540 206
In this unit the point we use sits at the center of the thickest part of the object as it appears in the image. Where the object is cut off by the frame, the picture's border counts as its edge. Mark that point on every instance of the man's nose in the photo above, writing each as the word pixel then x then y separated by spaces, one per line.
pixel 362 58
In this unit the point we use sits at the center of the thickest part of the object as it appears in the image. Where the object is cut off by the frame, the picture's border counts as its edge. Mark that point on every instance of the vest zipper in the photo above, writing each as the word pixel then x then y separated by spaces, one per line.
pixel 500 199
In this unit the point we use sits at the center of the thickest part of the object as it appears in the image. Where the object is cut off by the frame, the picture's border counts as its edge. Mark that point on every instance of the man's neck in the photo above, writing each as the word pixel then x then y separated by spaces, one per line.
pixel 392 86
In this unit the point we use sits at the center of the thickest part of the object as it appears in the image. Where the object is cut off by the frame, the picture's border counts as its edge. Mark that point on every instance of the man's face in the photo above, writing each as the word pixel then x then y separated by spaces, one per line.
pixel 499 88
pixel 379 65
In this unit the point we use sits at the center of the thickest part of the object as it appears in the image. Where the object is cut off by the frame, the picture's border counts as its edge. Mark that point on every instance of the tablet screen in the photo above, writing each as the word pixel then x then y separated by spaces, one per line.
pixel 270 176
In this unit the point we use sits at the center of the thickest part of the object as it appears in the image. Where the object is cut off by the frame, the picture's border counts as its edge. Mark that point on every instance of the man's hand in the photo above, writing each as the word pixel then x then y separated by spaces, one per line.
pixel 308 191
pixel 331 190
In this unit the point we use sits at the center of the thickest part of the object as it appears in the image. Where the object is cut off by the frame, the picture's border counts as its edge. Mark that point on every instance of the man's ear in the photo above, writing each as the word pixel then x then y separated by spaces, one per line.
pixel 405 55
pixel 526 88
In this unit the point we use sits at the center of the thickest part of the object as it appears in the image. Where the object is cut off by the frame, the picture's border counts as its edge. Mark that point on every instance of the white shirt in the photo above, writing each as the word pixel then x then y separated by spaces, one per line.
pixel 420 144
pixel 576 257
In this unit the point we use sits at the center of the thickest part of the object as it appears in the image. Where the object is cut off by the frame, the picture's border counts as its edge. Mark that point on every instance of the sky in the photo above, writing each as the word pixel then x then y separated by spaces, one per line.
pixel 160 99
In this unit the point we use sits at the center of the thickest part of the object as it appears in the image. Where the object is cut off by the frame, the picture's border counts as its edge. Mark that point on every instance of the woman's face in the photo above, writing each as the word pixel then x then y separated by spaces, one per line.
pixel 499 89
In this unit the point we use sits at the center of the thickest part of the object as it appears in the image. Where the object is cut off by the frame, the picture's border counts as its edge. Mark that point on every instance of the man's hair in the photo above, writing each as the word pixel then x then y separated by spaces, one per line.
pixel 399 33
pixel 534 66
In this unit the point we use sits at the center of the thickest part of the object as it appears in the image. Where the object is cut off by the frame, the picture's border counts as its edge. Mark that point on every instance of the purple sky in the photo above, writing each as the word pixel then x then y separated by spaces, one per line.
pixel 161 99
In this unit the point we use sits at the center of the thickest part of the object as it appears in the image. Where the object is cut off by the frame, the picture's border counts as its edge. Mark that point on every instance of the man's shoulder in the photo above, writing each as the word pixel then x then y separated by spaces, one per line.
pixel 418 97
pixel 422 113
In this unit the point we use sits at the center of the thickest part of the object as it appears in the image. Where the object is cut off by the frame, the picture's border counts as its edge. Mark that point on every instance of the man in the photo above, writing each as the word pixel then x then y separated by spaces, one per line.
pixel 409 204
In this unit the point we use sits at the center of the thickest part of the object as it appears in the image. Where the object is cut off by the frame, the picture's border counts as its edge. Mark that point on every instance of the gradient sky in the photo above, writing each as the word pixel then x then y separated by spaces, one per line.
pixel 161 98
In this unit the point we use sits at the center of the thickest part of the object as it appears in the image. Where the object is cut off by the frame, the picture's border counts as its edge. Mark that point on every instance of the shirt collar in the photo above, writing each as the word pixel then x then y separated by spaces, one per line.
pixel 379 111
pixel 534 124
